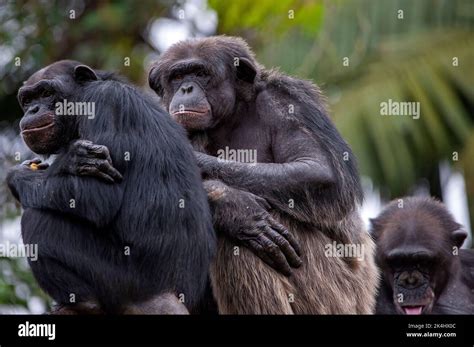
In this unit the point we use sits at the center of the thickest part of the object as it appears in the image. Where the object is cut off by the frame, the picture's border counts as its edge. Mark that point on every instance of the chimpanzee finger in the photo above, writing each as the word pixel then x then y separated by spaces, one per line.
pixel 88 149
pixel 31 161
pixel 102 166
pixel 259 251
pixel 81 147
pixel 264 203
pixel 286 234
pixel 88 170
pixel 290 254
pixel 101 152
pixel 108 169
pixel 42 166
pixel 274 252
pixel 105 177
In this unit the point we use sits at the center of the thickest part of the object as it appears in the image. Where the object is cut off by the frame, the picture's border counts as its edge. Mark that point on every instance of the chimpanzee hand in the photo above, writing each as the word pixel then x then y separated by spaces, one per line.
pixel 34 164
pixel 88 159
pixel 244 217
pixel 19 173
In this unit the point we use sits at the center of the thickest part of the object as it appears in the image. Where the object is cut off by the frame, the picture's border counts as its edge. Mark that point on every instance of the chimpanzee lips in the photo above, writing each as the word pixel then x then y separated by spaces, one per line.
pixel 27 131
pixel 190 112
pixel 39 124
pixel 413 310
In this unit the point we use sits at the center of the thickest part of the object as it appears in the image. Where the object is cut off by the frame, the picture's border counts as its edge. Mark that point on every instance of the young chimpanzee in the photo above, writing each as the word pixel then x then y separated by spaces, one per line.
pixel 424 270
pixel 134 246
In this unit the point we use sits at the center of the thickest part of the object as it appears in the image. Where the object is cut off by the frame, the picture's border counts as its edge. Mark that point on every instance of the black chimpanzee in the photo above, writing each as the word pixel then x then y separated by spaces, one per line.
pixel 130 247
pixel 424 271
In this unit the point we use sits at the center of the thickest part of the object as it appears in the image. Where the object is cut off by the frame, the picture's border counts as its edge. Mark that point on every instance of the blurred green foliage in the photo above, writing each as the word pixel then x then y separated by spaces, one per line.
pixel 101 33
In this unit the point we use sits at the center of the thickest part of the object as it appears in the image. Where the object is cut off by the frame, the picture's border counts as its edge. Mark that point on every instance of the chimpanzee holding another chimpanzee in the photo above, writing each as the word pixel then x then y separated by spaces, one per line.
pixel 301 195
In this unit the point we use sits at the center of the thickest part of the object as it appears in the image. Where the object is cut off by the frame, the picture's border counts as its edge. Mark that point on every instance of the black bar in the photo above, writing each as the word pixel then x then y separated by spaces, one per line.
pixel 221 330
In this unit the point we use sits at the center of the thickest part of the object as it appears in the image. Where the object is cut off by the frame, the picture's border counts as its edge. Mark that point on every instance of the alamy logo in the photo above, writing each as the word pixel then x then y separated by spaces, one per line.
pixel 241 155
pixel 13 250
pixel 400 108
pixel 37 330
pixel 341 250
pixel 70 108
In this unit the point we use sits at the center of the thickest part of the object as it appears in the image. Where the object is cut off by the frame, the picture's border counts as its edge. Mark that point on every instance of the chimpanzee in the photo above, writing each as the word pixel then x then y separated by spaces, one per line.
pixel 304 171
pixel 291 205
pixel 418 251
pixel 140 245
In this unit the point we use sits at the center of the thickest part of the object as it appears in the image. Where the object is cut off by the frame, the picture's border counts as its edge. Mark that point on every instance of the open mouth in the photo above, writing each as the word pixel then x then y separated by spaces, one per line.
pixel 413 310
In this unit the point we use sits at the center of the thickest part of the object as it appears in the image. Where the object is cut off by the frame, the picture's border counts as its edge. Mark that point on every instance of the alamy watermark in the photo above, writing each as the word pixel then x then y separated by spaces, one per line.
pixel 70 108
pixel 14 250
pixel 400 108
pixel 241 155
pixel 344 250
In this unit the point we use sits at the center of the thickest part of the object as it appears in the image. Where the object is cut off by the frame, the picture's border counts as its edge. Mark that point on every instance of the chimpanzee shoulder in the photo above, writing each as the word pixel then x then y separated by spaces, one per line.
pixel 301 101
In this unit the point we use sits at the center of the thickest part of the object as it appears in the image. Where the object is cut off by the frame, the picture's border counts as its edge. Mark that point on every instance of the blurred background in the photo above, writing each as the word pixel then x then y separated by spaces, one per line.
pixel 360 52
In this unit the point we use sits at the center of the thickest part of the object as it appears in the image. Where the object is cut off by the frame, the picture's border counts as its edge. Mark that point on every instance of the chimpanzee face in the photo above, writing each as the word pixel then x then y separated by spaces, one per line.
pixel 43 131
pixel 415 251
pixel 411 271
pixel 198 84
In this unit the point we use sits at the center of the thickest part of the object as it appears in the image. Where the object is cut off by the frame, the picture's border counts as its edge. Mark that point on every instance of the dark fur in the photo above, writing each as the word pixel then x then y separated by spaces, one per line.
pixel 249 106
pixel 423 225
pixel 81 250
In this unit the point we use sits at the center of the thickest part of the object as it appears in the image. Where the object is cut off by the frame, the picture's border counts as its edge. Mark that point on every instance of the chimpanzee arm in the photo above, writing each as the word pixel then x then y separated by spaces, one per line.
pixel 239 215
pixel 299 183
pixel 87 198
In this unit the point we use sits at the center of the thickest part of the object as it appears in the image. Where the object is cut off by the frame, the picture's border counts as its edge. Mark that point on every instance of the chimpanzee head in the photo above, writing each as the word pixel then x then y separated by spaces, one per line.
pixel 417 245
pixel 200 81
pixel 42 129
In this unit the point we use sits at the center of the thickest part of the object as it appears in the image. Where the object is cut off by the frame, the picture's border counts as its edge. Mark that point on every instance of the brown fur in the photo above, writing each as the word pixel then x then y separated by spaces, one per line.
pixel 322 285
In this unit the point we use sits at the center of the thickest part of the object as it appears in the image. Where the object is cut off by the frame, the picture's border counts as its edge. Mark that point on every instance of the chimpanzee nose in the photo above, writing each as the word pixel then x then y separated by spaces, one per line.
pixel 187 89
pixel 410 280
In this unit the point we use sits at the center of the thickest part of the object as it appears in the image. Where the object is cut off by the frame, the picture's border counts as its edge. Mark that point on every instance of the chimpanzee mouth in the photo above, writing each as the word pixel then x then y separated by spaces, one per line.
pixel 189 112
pixel 44 122
pixel 40 128
pixel 413 310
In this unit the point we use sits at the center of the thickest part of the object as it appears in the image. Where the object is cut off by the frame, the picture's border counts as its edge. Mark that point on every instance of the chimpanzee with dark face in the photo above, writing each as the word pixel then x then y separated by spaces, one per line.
pixel 133 246
pixel 303 184
pixel 418 251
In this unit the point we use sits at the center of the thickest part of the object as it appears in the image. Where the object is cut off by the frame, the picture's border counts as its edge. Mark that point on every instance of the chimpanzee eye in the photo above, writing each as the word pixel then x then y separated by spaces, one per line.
pixel 200 73
pixel 396 263
pixel 424 264
pixel 46 93
pixel 178 77
pixel 25 100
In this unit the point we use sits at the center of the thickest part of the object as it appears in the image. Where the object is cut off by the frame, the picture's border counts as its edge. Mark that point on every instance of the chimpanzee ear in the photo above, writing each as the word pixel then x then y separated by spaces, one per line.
pixel 458 236
pixel 83 73
pixel 246 70
pixel 154 81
